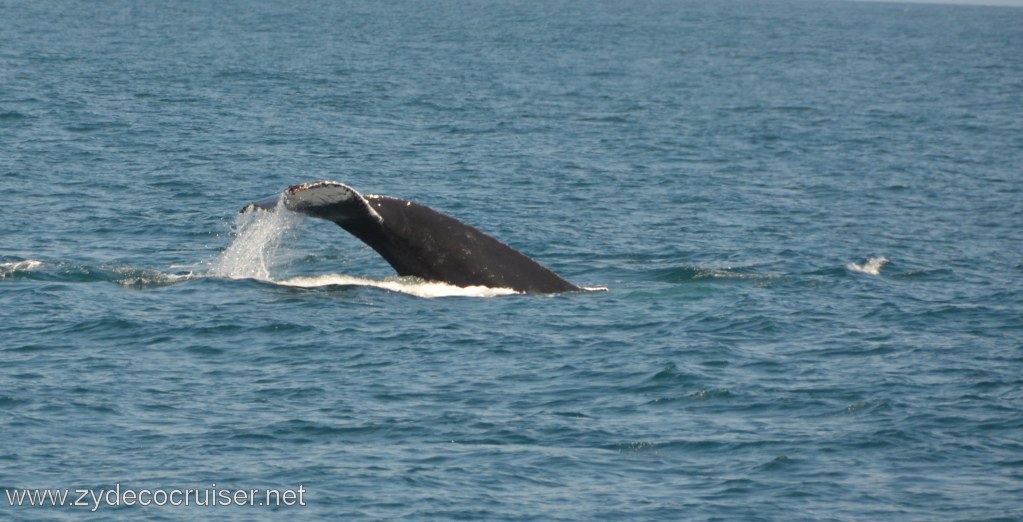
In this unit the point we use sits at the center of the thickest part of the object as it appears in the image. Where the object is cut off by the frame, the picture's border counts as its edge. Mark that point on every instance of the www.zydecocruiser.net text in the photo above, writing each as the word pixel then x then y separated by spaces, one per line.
pixel 94 499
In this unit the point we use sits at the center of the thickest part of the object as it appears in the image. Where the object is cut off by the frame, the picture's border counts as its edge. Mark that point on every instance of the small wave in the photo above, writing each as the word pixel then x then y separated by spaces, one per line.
pixel 871 266
pixel 12 268
pixel 406 285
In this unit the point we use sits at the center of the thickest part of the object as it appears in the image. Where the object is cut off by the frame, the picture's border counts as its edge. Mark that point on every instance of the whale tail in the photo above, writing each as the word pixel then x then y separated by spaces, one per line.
pixel 419 241
pixel 328 200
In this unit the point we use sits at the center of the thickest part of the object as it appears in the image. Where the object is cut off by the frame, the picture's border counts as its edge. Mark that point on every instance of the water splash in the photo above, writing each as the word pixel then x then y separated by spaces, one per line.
pixel 257 239
pixel 871 266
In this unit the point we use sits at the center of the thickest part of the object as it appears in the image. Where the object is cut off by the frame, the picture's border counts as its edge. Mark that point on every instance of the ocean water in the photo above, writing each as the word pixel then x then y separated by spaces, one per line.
pixel 808 215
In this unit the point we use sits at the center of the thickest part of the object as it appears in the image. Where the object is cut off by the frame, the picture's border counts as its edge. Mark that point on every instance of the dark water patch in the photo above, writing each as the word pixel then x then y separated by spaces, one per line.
pixel 1010 422
pixel 869 406
pixel 711 394
pixel 159 407
pixel 924 275
pixel 173 100
pixel 298 393
pixel 14 118
pixel 831 272
pixel 8 402
pixel 88 128
pixel 282 328
pixel 714 396
pixel 778 464
pixel 667 379
pixel 500 437
pixel 35 348
pixel 252 437
pixel 28 376
pixel 678 275
pixel 670 372
pixel 761 323
pixel 716 363
pixel 314 429
pixel 570 414
pixel 107 326
pixel 886 310
pixel 204 350
pixel 867 348
pixel 101 408
pixel 694 446
pixel 883 438
pixel 686 274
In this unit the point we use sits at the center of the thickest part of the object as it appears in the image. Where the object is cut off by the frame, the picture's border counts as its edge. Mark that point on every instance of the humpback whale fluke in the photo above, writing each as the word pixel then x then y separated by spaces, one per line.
pixel 419 241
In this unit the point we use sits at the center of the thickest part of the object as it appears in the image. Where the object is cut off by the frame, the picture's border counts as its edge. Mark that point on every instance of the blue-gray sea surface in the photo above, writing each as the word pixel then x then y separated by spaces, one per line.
pixel 808 216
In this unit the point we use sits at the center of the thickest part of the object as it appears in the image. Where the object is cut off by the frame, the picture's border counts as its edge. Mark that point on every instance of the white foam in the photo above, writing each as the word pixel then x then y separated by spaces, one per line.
pixel 406 285
pixel 11 267
pixel 147 278
pixel 871 266
pixel 28 264
pixel 257 238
